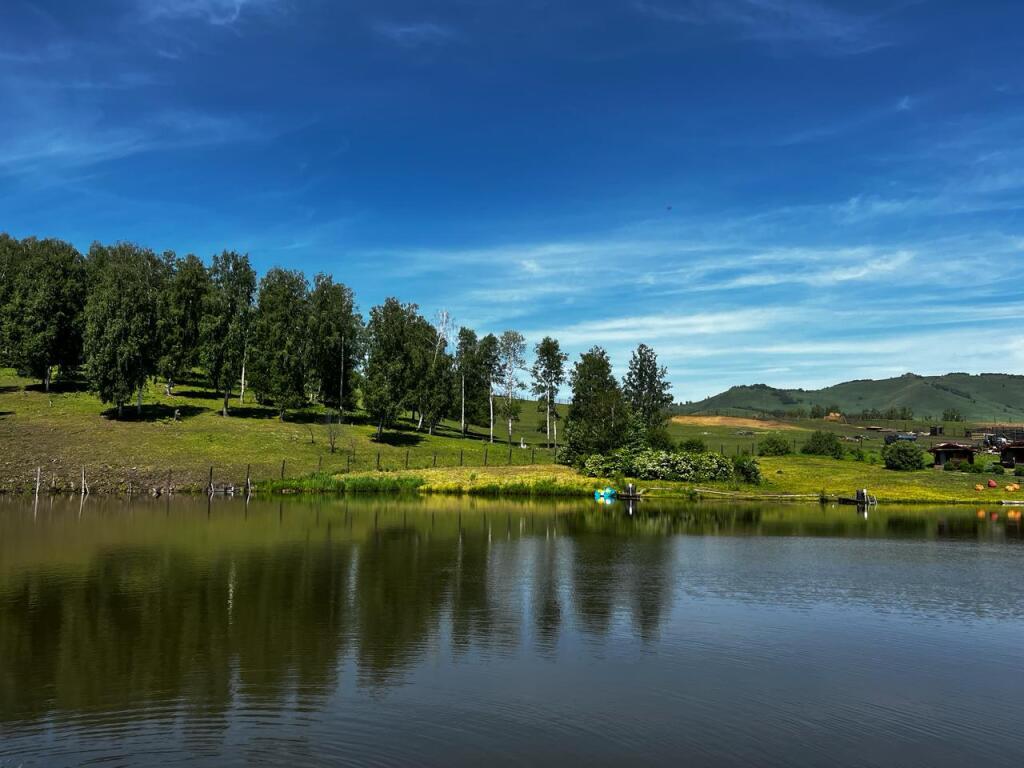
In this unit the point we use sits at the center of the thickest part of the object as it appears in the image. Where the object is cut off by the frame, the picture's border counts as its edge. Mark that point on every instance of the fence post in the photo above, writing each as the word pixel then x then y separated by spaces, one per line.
pixel 435 458
pixel 485 455
pixel 460 457
pixel 510 455
pixel 407 459
pixel 282 469
pixel 533 452
pixel 378 461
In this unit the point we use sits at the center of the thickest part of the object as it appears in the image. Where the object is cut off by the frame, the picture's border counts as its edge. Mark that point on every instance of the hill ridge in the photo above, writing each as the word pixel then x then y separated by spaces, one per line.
pixel 974 397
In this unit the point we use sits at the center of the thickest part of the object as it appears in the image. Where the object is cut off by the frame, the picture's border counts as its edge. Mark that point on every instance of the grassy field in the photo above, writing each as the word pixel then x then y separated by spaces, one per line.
pixel 69 429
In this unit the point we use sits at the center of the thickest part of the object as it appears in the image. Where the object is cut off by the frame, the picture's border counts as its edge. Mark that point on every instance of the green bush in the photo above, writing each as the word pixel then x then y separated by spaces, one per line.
pixel 693 445
pixel 903 456
pixel 824 444
pixel 774 445
pixel 660 465
pixel 1018 472
pixel 997 469
pixel 747 469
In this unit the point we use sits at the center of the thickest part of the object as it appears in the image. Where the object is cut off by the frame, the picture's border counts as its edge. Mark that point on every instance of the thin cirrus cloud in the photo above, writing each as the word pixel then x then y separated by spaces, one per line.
pixel 215 12
pixel 775 22
pixel 414 34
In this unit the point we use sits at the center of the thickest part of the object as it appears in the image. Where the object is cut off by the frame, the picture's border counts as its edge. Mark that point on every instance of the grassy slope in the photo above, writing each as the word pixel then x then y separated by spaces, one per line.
pixel 985 397
pixel 66 430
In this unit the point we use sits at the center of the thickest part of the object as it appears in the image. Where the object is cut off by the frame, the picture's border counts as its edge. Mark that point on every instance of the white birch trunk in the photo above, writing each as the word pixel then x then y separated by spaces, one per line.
pixel 490 400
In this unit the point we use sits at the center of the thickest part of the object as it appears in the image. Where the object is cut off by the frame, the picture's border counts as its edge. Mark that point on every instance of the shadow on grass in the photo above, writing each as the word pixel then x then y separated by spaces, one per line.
pixel 198 394
pixel 5 414
pixel 250 412
pixel 154 412
pixel 398 439
pixel 8 390
pixel 59 386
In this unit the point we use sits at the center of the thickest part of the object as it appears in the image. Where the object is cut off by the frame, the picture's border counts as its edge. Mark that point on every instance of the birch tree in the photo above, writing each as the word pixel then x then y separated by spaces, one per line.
pixel 227 312
pixel 511 362
pixel 548 376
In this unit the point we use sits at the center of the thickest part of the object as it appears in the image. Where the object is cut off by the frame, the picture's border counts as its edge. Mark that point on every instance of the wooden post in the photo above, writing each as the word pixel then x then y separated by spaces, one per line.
pixel 348 462
pixel 460 457
pixel 39 474
pixel 320 463
pixel 485 455
pixel 248 480
pixel 435 458
pixel 378 461
pixel 510 455
pixel 168 481
pixel 407 459
pixel 282 469
pixel 533 452
pixel 209 486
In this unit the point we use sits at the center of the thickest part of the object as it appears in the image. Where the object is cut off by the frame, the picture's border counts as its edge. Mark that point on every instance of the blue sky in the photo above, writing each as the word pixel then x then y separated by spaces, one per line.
pixel 794 193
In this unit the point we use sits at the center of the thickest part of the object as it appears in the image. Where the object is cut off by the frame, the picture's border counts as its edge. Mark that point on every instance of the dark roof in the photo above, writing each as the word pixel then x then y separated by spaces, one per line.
pixel 952 447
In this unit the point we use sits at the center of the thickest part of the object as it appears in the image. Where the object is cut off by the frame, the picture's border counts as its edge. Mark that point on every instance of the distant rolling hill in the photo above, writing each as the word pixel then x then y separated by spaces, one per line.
pixel 981 397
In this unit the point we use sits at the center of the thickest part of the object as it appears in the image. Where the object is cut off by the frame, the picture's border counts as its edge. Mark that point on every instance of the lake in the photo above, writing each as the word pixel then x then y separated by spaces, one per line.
pixel 441 631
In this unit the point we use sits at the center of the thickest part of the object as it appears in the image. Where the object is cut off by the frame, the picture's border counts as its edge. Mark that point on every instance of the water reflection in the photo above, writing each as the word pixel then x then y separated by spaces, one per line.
pixel 179 612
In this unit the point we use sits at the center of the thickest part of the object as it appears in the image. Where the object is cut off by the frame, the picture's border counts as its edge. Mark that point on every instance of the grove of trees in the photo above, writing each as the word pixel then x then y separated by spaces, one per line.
pixel 122 315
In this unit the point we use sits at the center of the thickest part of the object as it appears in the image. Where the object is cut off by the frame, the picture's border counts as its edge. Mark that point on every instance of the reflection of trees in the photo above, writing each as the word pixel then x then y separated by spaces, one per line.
pixel 165 615
pixel 402 579
pixel 145 626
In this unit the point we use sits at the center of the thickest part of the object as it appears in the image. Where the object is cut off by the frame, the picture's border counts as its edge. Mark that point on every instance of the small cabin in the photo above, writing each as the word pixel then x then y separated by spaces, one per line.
pixel 1012 455
pixel 937 430
pixel 946 452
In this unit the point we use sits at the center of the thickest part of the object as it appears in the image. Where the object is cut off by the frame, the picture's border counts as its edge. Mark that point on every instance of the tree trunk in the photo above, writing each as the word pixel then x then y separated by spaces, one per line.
pixel 548 416
pixel 462 418
pixel 224 410
pixel 241 394
pixel 419 422
pixel 509 431
pixel 556 435
pixel 341 382
pixel 46 379
pixel 120 410
pixel 380 428
pixel 490 401
pixel 138 403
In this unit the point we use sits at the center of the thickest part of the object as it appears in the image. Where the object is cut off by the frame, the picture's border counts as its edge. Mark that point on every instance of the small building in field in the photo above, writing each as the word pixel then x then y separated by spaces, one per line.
pixel 937 430
pixel 1012 454
pixel 946 452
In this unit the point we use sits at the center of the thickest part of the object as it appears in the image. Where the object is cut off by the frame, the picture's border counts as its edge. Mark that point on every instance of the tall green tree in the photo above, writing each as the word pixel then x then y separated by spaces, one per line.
pixel 279 339
pixel 224 328
pixel 598 415
pixel 648 393
pixel 45 297
pixel 465 360
pixel 180 317
pixel 121 322
pixel 390 368
pixel 335 335
pixel 490 373
pixel 511 363
pixel 434 373
pixel 548 376
pixel 10 259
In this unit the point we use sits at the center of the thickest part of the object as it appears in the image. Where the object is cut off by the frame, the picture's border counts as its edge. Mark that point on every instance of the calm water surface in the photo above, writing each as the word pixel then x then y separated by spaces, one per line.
pixel 456 632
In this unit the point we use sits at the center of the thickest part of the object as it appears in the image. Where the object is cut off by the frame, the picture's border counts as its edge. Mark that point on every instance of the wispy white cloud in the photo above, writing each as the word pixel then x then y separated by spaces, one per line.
pixel 216 12
pixel 414 34
pixel 776 21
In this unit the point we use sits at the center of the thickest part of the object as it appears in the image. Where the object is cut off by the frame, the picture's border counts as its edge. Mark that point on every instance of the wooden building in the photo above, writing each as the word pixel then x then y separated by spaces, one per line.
pixel 1012 455
pixel 945 452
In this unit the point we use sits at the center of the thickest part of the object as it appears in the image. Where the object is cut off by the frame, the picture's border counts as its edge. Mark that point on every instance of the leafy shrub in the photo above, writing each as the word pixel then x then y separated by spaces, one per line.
pixel 903 456
pixel 660 465
pixel 747 469
pixel 997 469
pixel 1018 472
pixel 824 444
pixel 953 465
pixel 774 445
pixel 693 445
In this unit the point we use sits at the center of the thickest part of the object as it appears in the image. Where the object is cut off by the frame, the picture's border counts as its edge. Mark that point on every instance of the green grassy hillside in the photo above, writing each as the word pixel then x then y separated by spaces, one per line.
pixel 982 397
pixel 68 429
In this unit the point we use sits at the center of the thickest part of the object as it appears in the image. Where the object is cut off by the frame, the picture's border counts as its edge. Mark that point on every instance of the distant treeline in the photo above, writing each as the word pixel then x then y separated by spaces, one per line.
pixel 122 314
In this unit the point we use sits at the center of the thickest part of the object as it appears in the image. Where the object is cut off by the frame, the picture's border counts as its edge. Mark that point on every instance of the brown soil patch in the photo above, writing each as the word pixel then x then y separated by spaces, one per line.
pixel 731 421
